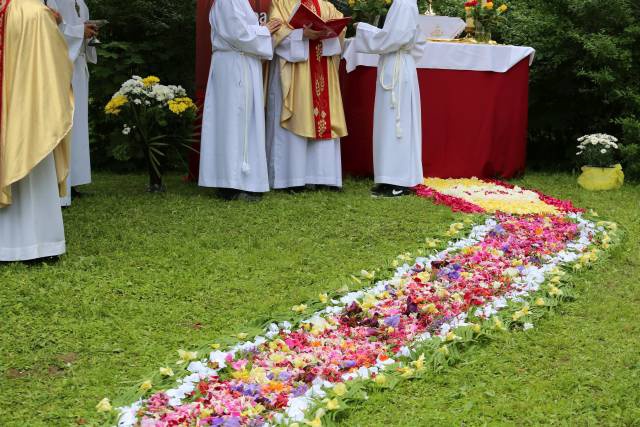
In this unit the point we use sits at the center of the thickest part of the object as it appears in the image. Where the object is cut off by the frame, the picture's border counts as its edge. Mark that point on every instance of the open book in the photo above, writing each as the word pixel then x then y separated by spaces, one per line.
pixel 302 17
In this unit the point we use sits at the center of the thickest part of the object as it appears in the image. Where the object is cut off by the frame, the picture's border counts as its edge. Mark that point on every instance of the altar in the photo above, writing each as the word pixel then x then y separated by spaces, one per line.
pixel 474 102
pixel 474 109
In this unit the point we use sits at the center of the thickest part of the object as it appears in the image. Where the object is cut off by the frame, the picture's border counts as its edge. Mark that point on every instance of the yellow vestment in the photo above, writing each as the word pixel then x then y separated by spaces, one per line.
pixel 37 100
pixel 297 107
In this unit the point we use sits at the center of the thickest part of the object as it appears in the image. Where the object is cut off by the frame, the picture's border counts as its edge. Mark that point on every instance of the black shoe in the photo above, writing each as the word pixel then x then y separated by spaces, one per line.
pixel 331 188
pixel 75 193
pixel 156 188
pixel 247 196
pixel 227 193
pixel 39 261
pixel 296 190
pixel 390 191
pixel 379 189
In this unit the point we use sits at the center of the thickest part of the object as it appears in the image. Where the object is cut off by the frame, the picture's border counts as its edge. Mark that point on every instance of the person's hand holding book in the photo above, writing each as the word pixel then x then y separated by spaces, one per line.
pixel 273 25
pixel 313 34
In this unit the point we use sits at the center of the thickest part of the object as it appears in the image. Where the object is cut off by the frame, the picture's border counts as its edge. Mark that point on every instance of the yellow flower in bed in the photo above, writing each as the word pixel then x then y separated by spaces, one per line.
pixel 146 386
pixel 114 105
pixel 104 405
pixel 150 81
pixel 180 105
pixel 492 197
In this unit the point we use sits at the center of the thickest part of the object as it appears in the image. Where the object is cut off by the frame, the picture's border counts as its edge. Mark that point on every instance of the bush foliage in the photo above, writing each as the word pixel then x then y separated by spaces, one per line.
pixel 584 79
pixel 144 37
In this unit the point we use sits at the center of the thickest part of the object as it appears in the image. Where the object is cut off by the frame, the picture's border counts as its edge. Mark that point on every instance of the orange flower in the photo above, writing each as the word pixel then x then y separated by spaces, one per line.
pixel 274 387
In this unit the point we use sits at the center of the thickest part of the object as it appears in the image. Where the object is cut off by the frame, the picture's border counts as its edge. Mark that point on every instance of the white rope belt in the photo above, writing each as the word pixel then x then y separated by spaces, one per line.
pixel 245 148
pixel 395 87
pixel 245 168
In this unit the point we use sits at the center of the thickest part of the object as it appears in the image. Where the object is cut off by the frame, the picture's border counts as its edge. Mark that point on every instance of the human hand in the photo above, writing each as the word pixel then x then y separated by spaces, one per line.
pixel 310 34
pixel 274 25
pixel 56 16
pixel 90 31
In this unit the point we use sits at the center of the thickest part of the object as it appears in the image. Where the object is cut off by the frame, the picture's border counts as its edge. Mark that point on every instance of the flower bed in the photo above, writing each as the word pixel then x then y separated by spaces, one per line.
pixel 489 196
pixel 505 274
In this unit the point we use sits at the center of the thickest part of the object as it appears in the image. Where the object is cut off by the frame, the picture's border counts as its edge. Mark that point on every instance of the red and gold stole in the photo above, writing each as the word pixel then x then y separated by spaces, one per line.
pixel 319 81
pixel 3 9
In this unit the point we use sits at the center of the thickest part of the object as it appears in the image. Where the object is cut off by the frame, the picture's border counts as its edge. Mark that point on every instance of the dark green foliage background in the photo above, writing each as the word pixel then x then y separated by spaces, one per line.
pixel 144 37
pixel 584 79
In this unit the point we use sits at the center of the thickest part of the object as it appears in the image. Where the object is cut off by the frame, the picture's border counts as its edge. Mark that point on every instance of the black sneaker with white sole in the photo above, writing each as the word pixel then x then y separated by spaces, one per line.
pixel 388 190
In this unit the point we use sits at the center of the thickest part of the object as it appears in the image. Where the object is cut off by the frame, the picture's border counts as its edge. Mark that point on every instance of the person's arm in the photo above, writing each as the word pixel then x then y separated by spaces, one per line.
pixel 333 46
pixel 294 47
pixel 251 39
pixel 74 33
pixel 398 31
pixel 53 7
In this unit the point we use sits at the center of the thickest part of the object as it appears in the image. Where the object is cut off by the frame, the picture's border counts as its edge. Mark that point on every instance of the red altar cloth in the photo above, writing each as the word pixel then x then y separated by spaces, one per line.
pixel 474 123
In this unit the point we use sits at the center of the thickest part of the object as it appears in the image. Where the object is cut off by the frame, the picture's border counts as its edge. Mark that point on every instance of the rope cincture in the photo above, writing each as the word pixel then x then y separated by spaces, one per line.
pixel 395 88
pixel 245 150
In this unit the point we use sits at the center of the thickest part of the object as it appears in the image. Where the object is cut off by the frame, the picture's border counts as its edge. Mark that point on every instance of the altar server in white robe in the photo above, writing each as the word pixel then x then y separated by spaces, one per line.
pixel 232 153
pixel 397 133
pixel 305 116
pixel 36 106
pixel 77 32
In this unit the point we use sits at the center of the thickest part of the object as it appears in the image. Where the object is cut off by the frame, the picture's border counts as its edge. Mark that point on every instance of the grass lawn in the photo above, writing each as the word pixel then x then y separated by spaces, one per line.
pixel 146 275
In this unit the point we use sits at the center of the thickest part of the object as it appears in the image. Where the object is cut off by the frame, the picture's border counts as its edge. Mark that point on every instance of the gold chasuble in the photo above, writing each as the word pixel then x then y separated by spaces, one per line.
pixel 312 103
pixel 36 113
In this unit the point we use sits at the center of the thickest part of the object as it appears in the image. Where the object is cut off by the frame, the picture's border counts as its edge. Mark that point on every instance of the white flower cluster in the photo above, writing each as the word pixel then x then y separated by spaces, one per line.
pixel 607 142
pixel 137 92
pixel 126 129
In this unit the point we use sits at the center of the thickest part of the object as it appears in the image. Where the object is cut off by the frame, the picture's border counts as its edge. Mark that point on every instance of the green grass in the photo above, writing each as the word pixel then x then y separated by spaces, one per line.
pixel 146 275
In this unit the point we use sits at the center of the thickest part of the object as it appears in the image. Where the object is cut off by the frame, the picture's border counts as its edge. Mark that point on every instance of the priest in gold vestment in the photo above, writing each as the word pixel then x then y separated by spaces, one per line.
pixel 305 117
pixel 36 117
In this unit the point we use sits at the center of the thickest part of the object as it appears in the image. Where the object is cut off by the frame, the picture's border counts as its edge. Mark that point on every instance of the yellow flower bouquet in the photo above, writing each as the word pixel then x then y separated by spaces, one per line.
pixel 154 119
pixel 483 16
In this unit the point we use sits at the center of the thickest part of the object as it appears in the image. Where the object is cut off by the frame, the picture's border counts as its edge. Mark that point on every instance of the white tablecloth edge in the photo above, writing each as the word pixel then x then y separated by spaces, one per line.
pixel 491 58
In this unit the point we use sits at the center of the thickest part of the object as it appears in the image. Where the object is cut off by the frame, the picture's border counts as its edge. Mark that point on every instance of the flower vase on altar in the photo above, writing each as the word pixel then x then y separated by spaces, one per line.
pixel 470 28
pixel 482 33
pixel 482 17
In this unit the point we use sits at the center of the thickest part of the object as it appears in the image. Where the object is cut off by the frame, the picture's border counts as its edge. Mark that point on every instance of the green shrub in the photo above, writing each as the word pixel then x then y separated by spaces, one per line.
pixel 631 161
pixel 585 76
pixel 144 37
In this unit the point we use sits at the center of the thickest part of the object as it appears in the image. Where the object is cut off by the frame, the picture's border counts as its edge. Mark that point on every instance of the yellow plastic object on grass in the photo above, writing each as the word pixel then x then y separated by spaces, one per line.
pixel 599 179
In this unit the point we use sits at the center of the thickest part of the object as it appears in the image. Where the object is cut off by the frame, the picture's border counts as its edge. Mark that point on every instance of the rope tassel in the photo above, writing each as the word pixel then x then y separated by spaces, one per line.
pixel 395 88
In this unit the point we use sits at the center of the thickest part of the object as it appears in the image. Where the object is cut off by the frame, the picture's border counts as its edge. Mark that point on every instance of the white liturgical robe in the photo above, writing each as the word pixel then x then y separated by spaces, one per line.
pixel 74 15
pixel 295 161
pixel 232 152
pixel 32 227
pixel 397 133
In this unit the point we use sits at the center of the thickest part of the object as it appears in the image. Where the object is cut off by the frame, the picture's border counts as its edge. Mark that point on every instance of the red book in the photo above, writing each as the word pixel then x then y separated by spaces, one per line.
pixel 302 17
